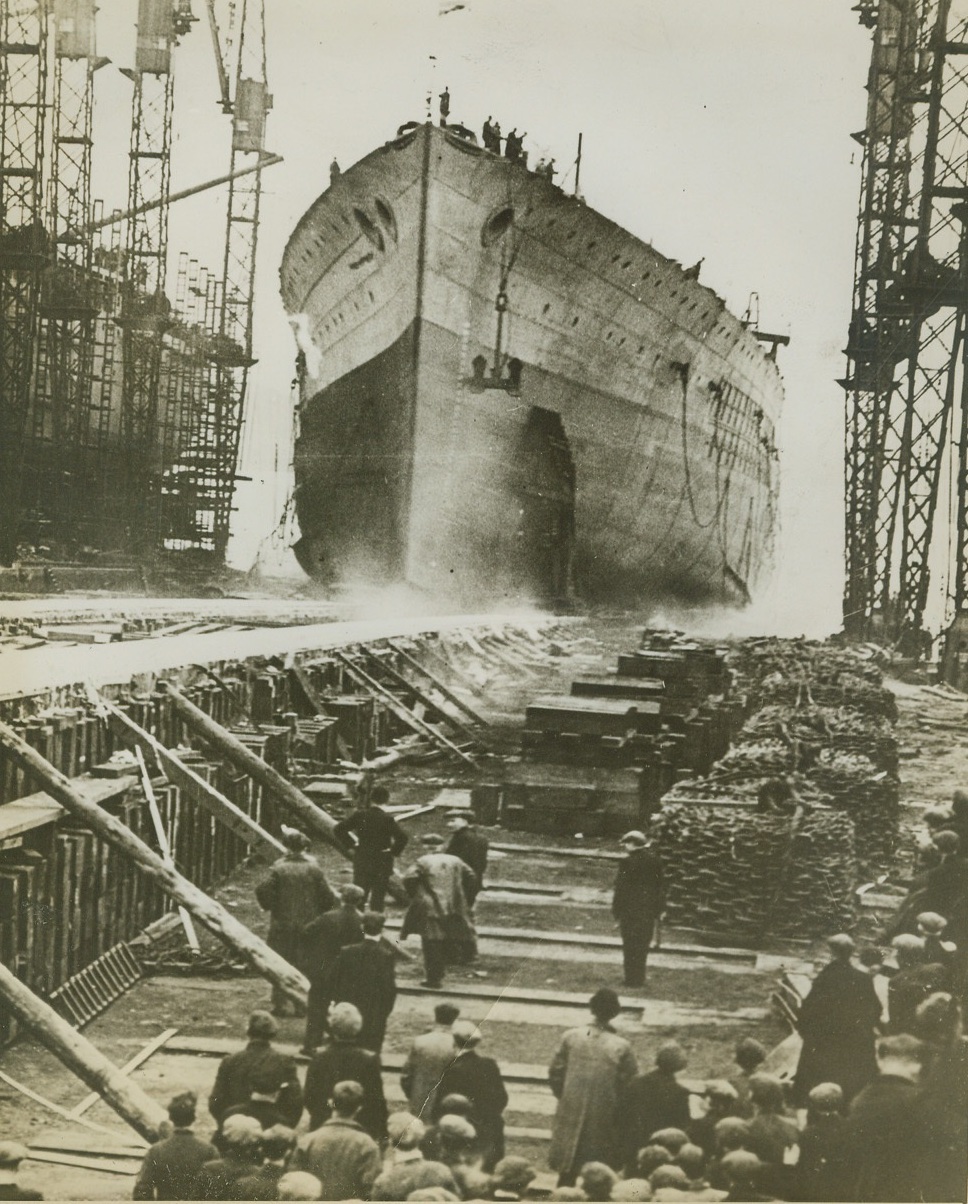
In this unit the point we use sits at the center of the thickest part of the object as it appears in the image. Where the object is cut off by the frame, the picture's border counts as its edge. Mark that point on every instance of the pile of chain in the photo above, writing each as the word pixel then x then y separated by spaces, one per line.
pixel 748 875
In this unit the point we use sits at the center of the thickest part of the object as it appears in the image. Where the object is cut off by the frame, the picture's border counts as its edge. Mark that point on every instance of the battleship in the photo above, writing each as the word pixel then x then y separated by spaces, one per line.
pixel 506 396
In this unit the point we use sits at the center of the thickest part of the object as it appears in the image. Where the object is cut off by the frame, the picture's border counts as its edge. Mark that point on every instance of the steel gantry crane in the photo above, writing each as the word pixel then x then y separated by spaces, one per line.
pixel 23 240
pixel 906 384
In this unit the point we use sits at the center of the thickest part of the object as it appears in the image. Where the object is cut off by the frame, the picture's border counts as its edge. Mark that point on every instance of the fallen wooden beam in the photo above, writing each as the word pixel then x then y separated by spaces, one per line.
pixel 29 1093
pixel 107 1166
pixel 206 910
pixel 139 1059
pixel 81 1057
pixel 437 683
pixel 165 848
pixel 192 784
pixel 420 694
pixel 402 713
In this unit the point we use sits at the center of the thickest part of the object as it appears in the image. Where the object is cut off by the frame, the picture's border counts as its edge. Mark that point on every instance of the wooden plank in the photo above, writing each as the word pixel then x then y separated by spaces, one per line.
pixel 139 1059
pixel 107 1166
pixel 301 677
pixel 162 837
pixel 403 714
pixel 420 694
pixel 39 809
pixel 50 1105
pixel 437 684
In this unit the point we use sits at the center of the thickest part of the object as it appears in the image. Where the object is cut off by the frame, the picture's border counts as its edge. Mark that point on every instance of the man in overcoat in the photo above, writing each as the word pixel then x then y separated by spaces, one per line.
pixel 364 974
pixel 637 903
pixel 438 884
pixel 837 1021
pixel 346 1060
pixel 294 891
pixel 589 1075
pixel 430 1055
pixel 323 938
pixel 478 1079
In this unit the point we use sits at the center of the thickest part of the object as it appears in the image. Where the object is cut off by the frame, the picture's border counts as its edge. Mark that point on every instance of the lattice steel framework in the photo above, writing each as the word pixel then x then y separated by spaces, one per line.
pixel 905 345
pixel 62 485
pixel 23 240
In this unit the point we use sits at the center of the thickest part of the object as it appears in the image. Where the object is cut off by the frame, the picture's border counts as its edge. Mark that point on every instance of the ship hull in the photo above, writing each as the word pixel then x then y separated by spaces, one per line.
pixel 505 395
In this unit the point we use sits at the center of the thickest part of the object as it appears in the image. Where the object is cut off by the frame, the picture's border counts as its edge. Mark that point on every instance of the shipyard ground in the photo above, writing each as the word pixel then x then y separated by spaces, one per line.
pixel 524 991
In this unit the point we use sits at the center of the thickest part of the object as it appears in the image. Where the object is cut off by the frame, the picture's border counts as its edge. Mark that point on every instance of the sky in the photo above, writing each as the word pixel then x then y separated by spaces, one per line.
pixel 715 129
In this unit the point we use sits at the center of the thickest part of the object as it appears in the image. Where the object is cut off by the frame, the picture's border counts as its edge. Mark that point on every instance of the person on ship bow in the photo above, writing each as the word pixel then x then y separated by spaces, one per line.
pixel 444 105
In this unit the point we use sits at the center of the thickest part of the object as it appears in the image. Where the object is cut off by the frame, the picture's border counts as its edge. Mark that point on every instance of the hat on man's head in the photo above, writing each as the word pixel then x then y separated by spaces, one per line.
pixel 277 1141
pixel 458 815
pixel 262 1026
pixel 514 1173
pixel 740 1166
pixel 373 923
pixel 931 923
pixel 947 841
pixel 456 1126
pixel 841 945
pixel 241 1130
pixel 632 1189
pixel 352 894
pixel 431 838
pixel 345 1020
pixel 299 1185
pixel 669 1175
pixel 466 1033
pixel 293 839
pixel 826 1097
pixel 405 1131
pixel 720 1089
pixel 670 1057
pixel 634 839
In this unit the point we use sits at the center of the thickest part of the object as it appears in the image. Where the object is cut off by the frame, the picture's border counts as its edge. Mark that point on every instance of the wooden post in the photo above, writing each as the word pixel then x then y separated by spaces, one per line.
pixel 207 911
pixel 395 705
pixel 437 683
pixel 80 1056
pixel 420 694
pixel 192 784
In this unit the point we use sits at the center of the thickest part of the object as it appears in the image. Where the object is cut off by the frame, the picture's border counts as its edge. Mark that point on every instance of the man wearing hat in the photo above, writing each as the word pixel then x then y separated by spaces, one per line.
pixel 293 892
pixel 914 980
pixel 470 844
pixel 589 1076
pixel 340 1153
pixel 12 1153
pixel 373 839
pixel 837 1021
pixel 479 1080
pixel 237 1072
pixel 439 912
pixel 637 903
pixel 323 938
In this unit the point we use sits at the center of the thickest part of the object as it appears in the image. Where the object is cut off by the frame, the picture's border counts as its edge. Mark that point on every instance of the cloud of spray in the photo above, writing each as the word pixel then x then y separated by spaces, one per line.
pixel 304 341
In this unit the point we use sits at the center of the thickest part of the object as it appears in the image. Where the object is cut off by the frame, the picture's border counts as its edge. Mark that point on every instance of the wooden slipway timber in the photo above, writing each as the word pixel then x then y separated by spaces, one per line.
pixel 80 1056
pixel 206 910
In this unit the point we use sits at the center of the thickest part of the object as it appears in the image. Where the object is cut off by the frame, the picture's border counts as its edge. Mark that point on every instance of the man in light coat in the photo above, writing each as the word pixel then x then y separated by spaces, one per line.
pixel 429 1056
pixel 589 1075
pixel 439 885
pixel 340 1153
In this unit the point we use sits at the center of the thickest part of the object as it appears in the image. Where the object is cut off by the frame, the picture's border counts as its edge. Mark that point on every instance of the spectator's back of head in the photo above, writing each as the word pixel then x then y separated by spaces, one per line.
pixel 938 1018
pixel 741 1168
pixel 345 1021
pixel 672 1139
pixel 604 1004
pixel 596 1179
pixel 379 796
pixel 841 946
pixel 908 949
pixel 456 1105
pixel 513 1174
pixel 373 923
pixel 730 1133
pixel 692 1159
pixel 749 1054
pixel 900 1054
pixel 456 1129
pixel 669 1176
pixel 405 1131
pixel 670 1057
pixel 352 895
pixel 722 1096
pixel 947 842
pixel 632 1190
pixel 466 1034
pixel 446 1013
pixel 294 840
pixel 766 1092
pixel 825 1098
pixel 299 1185
pixel 276 1142
pixel 241 1132
pixel 651 1156
pixel 181 1109
pixel 347 1098
pixel 262 1026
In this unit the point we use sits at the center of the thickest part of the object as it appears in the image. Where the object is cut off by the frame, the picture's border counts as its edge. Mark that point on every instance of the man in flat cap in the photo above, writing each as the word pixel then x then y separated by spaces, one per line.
pixel 171 1166
pixel 374 839
pixel 293 892
pixel 479 1079
pixel 12 1153
pixel 236 1073
pixel 438 884
pixel 637 903
pixel 837 1021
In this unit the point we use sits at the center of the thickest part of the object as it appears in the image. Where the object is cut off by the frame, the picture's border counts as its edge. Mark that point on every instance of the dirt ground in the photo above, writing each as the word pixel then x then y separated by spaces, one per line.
pixel 933 734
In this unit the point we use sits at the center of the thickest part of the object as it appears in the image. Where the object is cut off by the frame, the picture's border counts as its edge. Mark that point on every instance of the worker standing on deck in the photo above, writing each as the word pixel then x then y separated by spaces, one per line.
pixel 637 903
pixel 294 892
pixel 374 839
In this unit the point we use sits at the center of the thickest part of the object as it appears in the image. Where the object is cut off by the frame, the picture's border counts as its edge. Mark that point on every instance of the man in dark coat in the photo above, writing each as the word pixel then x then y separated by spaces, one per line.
pixel 637 903
pixel 234 1080
pixel 469 844
pixel 346 1060
pixel 837 1021
pixel 263 1101
pixel 293 892
pixel 885 1138
pixel 654 1101
pixel 323 938
pixel 913 982
pixel 479 1080
pixel 170 1168
pixel 365 975
pixel 374 839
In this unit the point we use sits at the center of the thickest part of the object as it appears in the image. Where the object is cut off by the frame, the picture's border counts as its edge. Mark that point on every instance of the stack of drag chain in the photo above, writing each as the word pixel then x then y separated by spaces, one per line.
pixel 822 720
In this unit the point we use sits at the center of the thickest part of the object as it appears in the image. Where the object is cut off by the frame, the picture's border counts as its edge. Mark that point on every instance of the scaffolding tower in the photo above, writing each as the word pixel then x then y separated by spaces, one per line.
pixel 23 240
pixel 906 379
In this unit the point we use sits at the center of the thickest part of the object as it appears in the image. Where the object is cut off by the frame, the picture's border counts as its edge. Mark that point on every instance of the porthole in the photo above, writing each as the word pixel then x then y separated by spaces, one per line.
pixel 370 229
pixel 497 225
